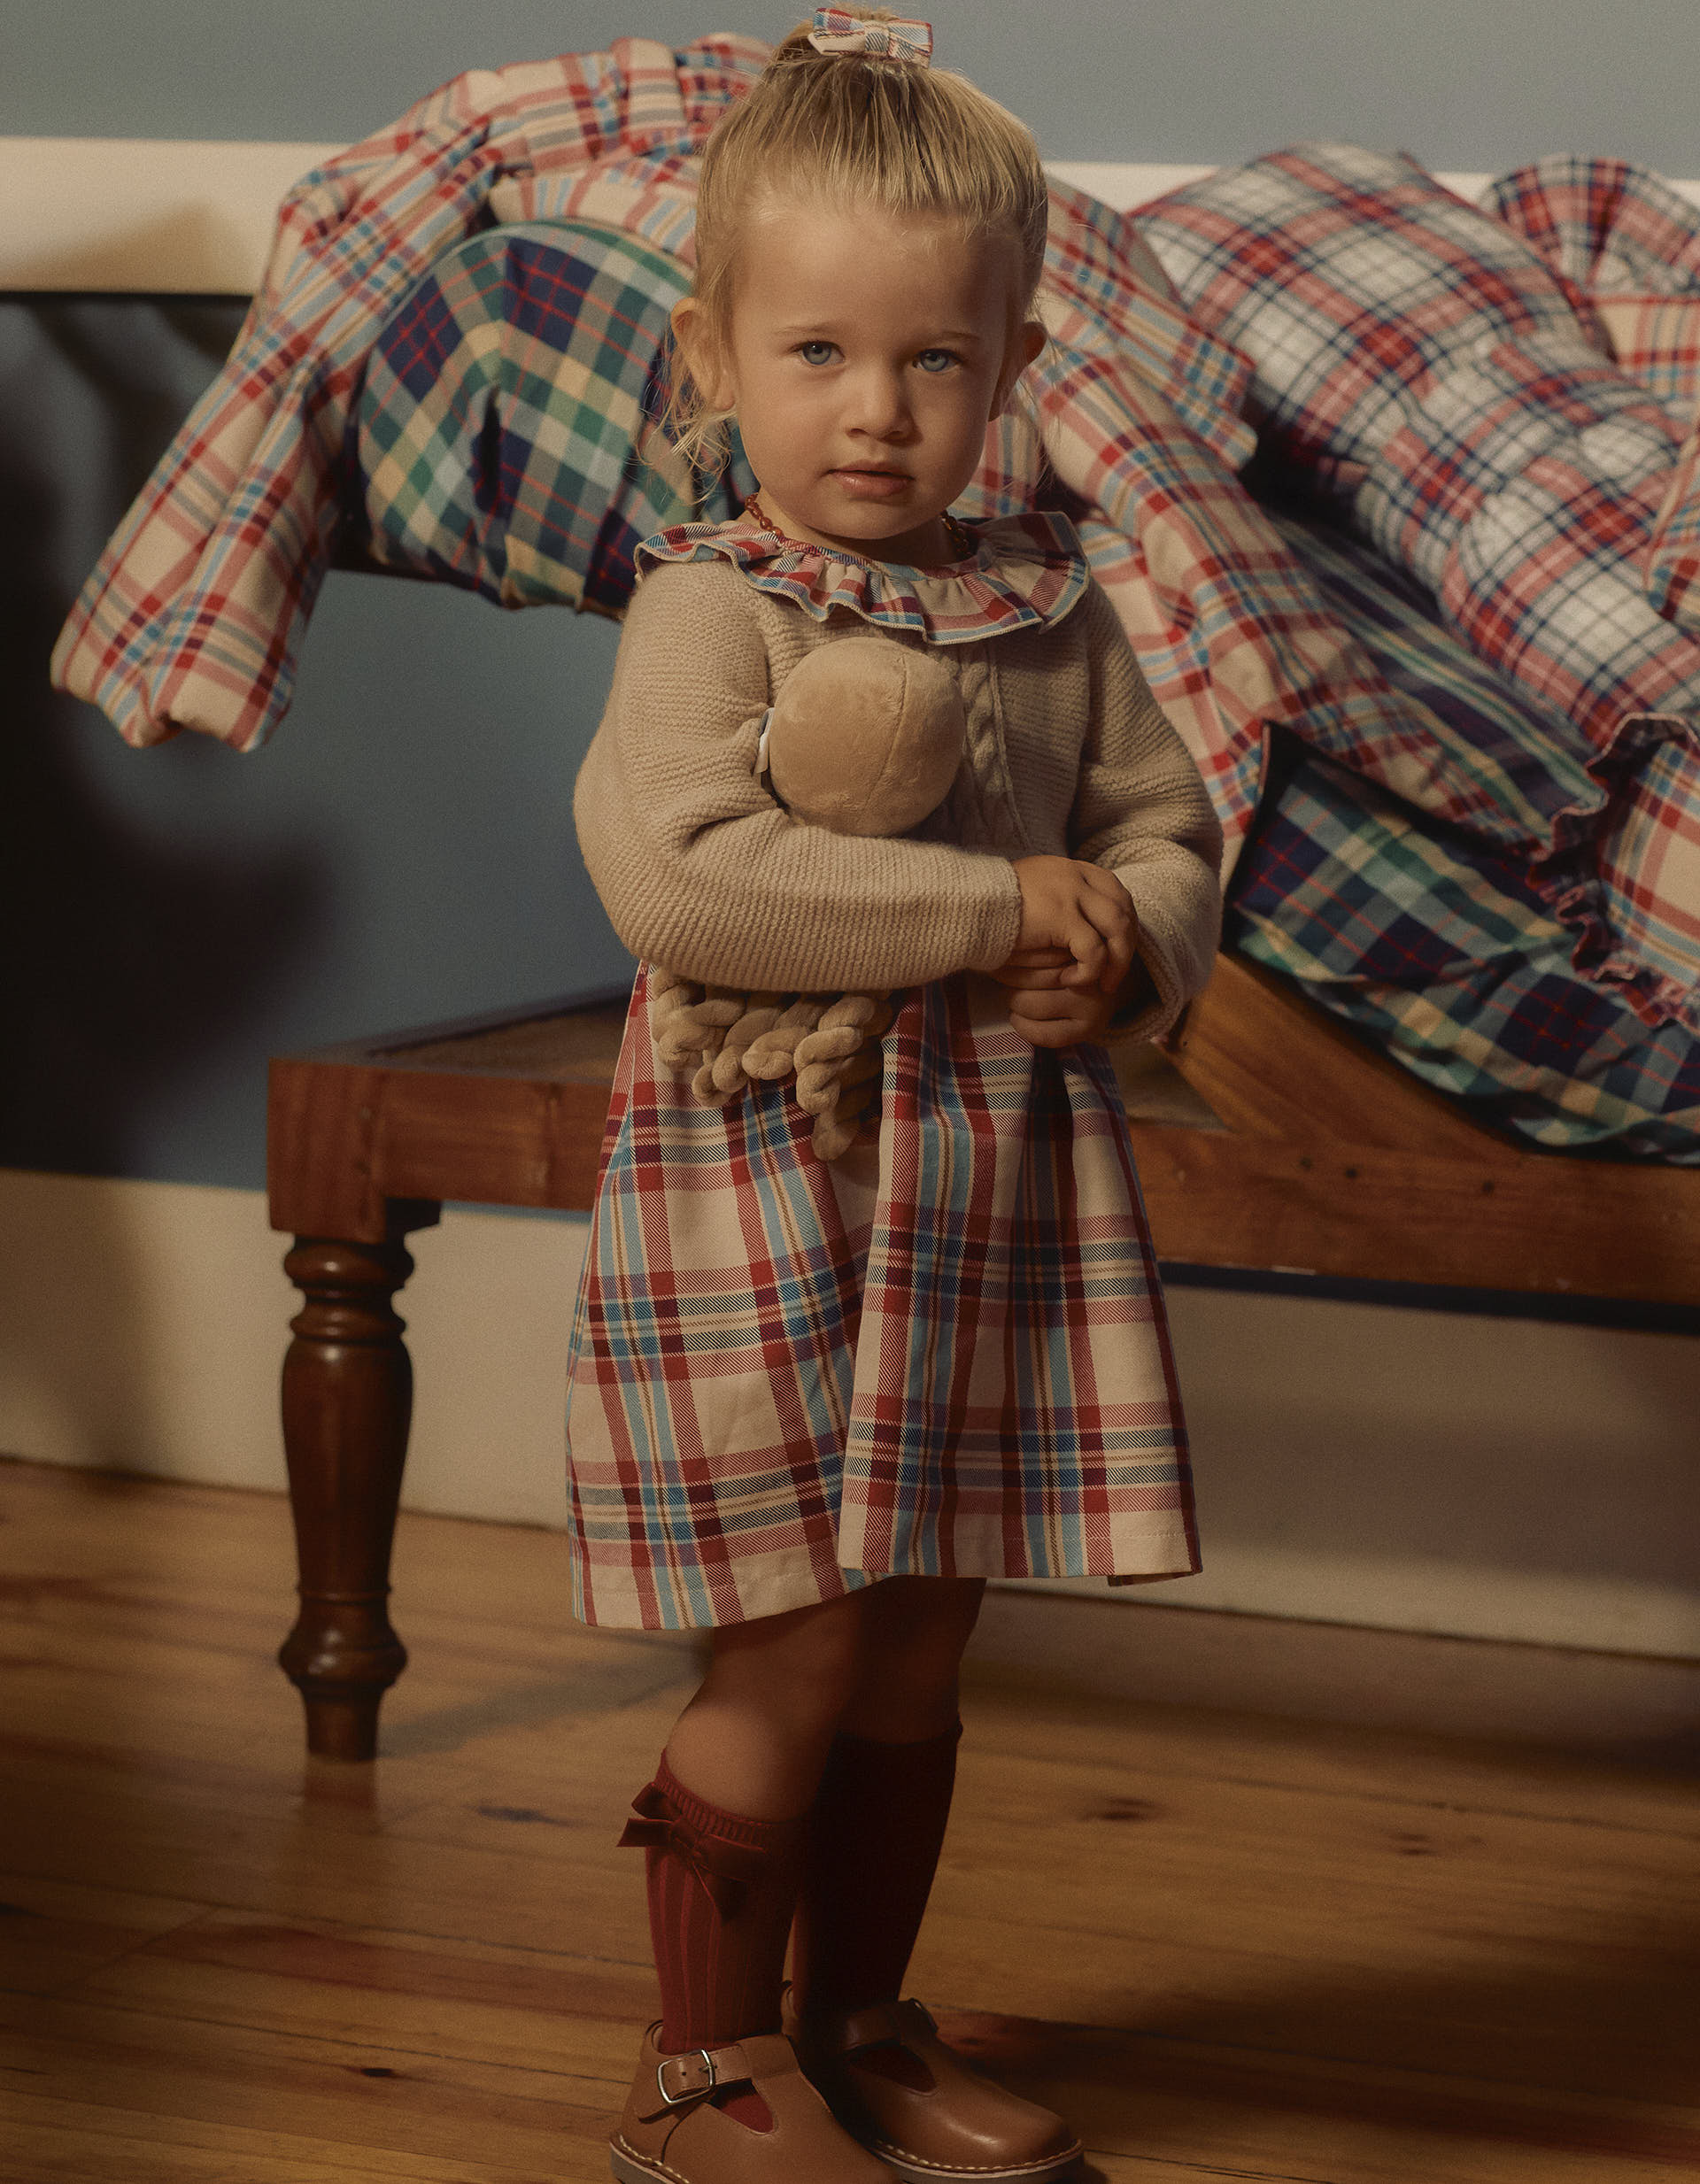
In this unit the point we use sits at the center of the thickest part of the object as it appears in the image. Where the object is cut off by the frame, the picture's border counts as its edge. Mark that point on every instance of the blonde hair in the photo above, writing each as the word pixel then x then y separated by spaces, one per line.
pixel 853 128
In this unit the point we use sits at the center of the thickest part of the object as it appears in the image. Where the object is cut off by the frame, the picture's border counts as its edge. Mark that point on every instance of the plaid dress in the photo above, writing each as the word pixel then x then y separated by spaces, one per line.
pixel 944 1355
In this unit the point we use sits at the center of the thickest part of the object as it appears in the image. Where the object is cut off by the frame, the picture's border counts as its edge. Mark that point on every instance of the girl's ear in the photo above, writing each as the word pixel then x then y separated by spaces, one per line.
pixel 1029 340
pixel 702 357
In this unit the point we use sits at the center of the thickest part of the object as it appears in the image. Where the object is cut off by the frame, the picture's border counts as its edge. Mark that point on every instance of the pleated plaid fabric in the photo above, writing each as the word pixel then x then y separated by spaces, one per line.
pixel 507 435
pixel 1026 573
pixel 195 613
pixel 784 1385
pixel 1453 392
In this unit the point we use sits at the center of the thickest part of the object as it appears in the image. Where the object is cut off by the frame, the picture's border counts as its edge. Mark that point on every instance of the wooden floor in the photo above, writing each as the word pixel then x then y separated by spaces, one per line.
pixel 1227 1946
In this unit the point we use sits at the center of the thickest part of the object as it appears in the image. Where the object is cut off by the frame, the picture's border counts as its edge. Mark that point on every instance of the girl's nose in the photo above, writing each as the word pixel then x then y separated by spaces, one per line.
pixel 877 404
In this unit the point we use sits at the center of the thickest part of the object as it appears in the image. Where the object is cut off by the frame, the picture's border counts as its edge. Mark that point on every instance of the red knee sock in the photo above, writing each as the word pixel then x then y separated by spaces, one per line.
pixel 722 1889
pixel 873 1842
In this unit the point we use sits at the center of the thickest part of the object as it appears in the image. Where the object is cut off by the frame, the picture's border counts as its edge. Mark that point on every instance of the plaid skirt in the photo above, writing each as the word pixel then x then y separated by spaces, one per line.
pixel 946 1355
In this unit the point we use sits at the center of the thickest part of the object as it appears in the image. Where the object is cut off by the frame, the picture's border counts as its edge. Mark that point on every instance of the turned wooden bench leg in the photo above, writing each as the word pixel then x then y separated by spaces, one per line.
pixel 348 1387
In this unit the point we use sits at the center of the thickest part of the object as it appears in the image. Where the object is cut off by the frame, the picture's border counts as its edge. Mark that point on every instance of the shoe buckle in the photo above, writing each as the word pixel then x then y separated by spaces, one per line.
pixel 692 2093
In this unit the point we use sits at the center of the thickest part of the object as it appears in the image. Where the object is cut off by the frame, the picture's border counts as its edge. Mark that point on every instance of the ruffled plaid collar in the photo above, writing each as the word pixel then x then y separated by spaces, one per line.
pixel 1025 573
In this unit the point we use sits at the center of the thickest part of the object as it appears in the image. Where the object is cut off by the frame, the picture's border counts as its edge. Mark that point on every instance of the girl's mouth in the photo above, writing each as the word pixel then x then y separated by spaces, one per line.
pixel 873 484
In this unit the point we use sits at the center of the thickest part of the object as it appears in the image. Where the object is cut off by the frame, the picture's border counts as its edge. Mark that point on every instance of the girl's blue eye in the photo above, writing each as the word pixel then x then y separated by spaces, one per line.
pixel 816 351
pixel 936 359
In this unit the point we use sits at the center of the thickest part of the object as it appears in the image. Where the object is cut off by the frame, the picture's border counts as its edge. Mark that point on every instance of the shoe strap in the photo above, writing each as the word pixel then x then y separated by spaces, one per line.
pixel 681 2081
pixel 905 2022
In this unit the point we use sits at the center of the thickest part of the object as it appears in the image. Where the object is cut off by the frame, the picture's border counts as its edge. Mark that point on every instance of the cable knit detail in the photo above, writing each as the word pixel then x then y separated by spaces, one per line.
pixel 699 869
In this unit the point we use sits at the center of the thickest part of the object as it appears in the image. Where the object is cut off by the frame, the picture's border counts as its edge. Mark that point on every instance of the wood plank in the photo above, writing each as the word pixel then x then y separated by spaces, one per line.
pixel 488 1139
pixel 1224 1946
pixel 1560 1227
pixel 53 1933
pixel 368 2099
pixel 81 2143
pixel 1271 1063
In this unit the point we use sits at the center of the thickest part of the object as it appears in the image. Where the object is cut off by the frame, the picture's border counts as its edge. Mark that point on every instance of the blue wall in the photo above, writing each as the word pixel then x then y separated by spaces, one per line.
pixel 1462 83
pixel 403 851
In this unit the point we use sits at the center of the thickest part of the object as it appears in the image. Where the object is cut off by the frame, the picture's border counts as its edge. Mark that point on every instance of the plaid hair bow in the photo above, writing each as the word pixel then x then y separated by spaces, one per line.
pixel 837 31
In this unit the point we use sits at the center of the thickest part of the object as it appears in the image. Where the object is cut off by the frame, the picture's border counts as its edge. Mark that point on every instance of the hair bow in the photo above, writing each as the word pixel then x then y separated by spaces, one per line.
pixel 837 31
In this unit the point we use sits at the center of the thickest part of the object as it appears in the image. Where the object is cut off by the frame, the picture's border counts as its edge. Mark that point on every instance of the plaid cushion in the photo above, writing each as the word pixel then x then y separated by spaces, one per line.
pixel 499 432
pixel 1450 390
pixel 1626 886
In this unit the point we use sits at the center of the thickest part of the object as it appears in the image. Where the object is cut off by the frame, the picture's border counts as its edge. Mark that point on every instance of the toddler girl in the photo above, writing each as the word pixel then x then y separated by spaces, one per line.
pixel 815 1405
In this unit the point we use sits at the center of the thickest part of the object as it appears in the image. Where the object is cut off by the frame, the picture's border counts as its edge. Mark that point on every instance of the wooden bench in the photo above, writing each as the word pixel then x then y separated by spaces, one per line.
pixel 1273 1140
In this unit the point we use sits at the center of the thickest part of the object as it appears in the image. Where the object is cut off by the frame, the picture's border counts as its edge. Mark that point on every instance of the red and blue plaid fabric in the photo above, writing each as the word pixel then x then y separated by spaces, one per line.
pixel 1453 392
pixel 839 30
pixel 1632 245
pixel 195 613
pixel 783 1383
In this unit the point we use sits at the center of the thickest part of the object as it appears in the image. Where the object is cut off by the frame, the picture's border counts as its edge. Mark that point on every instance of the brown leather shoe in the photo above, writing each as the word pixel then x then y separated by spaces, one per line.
pixel 930 2117
pixel 672 2132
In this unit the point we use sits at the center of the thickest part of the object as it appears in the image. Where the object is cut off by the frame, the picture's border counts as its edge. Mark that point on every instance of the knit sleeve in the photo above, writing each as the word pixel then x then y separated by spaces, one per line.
pixel 1142 809
pixel 697 866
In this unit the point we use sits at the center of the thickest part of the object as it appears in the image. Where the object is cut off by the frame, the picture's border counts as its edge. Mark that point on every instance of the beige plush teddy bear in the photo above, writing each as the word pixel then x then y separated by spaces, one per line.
pixel 865 737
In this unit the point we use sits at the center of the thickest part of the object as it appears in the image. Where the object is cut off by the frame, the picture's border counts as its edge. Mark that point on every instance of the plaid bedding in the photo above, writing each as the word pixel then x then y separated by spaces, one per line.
pixel 1453 392
pixel 1437 947
pixel 1443 955
pixel 785 1380
pixel 195 614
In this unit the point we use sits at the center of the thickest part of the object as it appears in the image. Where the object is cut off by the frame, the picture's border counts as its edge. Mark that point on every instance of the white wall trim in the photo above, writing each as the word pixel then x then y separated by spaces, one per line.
pixel 125 215
pixel 1358 1464
pixel 139 215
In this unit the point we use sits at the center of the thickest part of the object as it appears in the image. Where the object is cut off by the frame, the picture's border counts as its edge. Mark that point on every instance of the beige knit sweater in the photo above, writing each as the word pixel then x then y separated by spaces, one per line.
pixel 1068 754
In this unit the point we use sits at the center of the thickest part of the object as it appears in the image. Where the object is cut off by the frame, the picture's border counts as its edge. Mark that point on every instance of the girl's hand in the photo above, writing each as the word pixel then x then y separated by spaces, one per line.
pixel 1047 1012
pixel 1080 910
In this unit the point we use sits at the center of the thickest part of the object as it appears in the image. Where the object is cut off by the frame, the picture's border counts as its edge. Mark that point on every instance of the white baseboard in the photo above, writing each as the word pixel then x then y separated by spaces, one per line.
pixel 129 215
pixel 1361 1465
pixel 1617 1706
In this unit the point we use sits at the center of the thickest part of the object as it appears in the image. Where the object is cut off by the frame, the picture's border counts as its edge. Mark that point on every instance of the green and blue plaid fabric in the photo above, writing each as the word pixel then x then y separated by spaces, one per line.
pixel 507 435
pixel 1426 939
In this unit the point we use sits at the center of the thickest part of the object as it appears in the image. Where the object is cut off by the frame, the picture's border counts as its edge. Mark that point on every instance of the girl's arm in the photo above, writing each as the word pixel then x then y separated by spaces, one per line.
pixel 1141 811
pixel 698 868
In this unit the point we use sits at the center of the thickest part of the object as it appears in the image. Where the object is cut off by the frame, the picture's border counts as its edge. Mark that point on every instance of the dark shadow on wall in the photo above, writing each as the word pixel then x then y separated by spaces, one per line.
pixel 131 950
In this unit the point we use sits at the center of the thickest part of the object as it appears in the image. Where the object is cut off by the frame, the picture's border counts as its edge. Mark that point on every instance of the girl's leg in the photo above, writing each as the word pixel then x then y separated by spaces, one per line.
pixel 723 1822
pixel 879 1818
pixel 872 1846
pixel 757 1733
